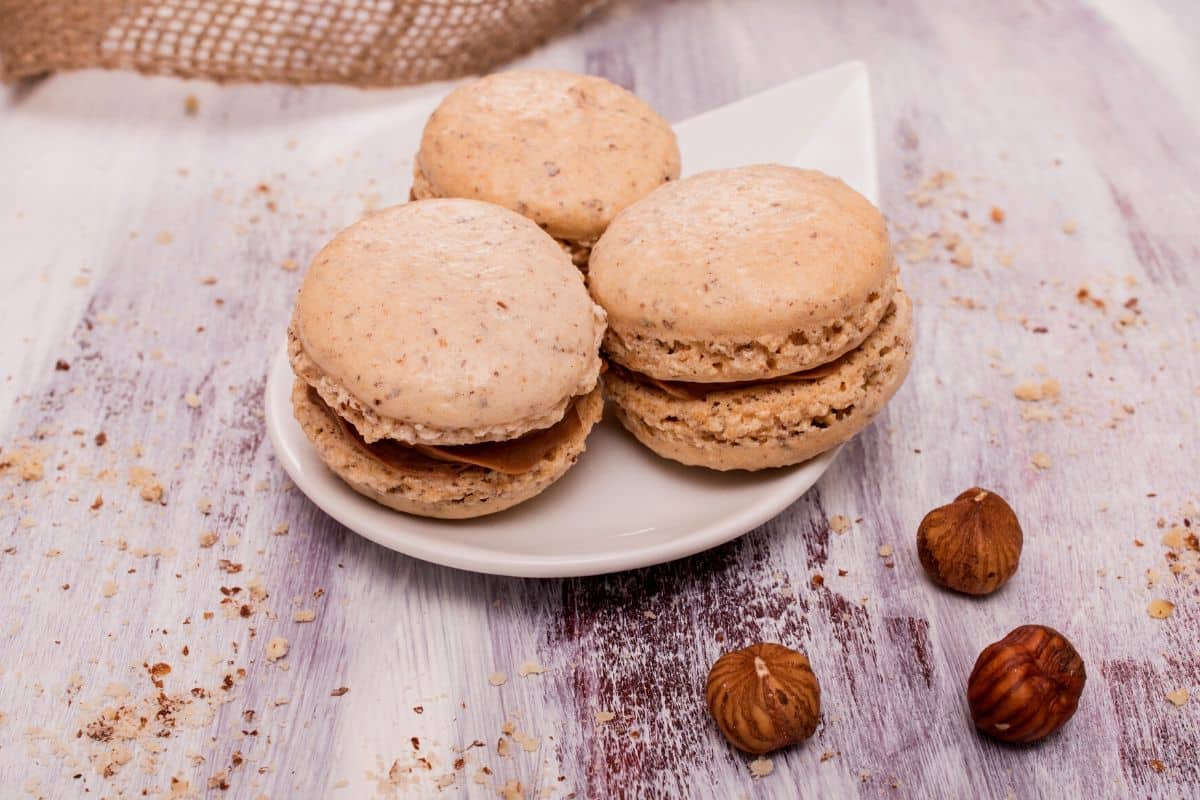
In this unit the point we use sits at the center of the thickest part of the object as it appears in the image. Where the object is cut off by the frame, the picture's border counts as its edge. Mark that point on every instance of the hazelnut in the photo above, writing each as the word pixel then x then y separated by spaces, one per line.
pixel 972 545
pixel 1025 686
pixel 763 697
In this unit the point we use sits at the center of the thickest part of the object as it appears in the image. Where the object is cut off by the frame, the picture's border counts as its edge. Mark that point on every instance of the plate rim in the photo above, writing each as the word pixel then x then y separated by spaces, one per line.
pixel 461 556
pixel 346 506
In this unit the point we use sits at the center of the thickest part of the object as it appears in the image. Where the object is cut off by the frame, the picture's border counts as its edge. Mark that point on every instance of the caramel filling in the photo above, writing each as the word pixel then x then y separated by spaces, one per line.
pixel 692 390
pixel 511 457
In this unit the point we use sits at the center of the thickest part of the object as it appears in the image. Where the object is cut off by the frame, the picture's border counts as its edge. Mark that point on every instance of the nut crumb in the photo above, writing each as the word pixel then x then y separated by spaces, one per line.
pixel 997 214
pixel 192 399
pixel 281 529
pixel 289 265
pixel 27 461
pixel 885 551
pixel 1069 228
pixel 840 523
pixel 1033 392
pixel 304 615
pixel 191 105
pixel 962 256
pixel 146 482
pixel 761 767
pixel 530 668
pixel 208 538
pixel 529 743
pixel 497 679
pixel 277 648
pixel 604 716
pixel 1160 609
pixel 109 588
pixel 1178 697
pixel 1041 461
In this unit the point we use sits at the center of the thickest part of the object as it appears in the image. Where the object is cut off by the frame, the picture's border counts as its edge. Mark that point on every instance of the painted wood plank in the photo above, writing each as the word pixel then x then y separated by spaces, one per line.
pixel 119 210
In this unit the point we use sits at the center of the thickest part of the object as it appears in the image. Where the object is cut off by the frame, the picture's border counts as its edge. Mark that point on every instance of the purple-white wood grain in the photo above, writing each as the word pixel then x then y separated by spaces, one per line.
pixel 117 210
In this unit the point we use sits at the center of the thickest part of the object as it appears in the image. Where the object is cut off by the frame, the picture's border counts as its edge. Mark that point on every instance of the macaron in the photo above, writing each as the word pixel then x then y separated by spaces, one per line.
pixel 755 316
pixel 568 151
pixel 447 358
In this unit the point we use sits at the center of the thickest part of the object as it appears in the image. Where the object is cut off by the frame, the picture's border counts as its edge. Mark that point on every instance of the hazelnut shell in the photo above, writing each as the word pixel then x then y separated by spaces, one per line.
pixel 1026 686
pixel 972 545
pixel 764 697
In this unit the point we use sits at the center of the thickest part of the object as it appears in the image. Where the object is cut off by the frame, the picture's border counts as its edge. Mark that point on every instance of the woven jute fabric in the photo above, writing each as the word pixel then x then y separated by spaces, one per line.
pixel 359 42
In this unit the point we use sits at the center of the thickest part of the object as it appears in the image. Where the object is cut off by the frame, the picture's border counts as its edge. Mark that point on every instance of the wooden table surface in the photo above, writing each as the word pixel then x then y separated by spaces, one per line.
pixel 146 256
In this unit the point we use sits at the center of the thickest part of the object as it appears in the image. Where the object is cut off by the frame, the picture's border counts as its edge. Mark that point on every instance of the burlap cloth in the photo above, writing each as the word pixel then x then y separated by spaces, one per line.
pixel 360 42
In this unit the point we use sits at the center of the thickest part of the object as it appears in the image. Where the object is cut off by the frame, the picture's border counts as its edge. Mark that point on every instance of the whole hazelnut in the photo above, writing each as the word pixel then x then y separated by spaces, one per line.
pixel 763 697
pixel 972 545
pixel 1025 686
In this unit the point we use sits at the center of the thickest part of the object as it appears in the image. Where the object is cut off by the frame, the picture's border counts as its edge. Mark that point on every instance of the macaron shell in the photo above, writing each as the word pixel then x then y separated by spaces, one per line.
pixel 742 274
pixel 775 424
pixel 569 151
pixel 443 491
pixel 577 250
pixel 448 322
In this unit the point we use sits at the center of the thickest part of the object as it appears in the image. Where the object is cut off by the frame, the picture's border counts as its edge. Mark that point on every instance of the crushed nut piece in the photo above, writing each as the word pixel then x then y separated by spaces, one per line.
pixel 530 668
pixel 146 482
pixel 277 648
pixel 529 744
pixel 1033 392
pixel 1160 609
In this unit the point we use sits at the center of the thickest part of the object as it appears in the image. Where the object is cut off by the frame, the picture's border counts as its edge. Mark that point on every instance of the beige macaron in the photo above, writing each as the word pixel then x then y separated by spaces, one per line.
pixel 568 151
pixel 742 274
pixel 447 358
pixel 770 423
pixel 755 318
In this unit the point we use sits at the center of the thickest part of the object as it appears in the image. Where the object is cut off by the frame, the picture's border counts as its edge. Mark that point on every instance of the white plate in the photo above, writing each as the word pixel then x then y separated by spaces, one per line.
pixel 621 507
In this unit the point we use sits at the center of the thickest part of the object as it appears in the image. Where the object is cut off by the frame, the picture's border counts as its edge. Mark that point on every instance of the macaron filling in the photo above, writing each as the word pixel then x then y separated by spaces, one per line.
pixel 511 457
pixel 695 390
